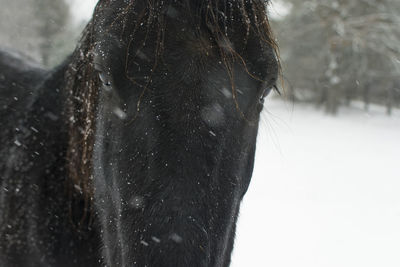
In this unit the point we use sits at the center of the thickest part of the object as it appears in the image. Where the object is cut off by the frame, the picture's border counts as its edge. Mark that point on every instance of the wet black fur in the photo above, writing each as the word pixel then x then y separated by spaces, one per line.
pixel 172 158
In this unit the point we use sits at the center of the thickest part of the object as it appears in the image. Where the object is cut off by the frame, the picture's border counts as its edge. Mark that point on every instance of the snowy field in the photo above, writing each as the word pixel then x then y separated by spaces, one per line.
pixel 325 190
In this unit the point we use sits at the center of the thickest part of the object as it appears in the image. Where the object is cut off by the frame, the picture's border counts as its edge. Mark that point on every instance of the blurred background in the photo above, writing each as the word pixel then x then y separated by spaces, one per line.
pixel 333 52
pixel 326 185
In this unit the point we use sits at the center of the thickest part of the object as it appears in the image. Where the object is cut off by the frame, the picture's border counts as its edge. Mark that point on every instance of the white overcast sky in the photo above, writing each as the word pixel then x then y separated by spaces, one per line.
pixel 82 9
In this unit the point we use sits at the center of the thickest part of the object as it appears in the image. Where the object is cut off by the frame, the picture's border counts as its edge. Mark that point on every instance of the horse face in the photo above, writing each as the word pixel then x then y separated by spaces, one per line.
pixel 175 144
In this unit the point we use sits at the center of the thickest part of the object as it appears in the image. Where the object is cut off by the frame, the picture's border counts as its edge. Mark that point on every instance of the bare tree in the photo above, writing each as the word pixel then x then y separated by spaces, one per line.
pixel 38 28
pixel 343 50
pixel 54 15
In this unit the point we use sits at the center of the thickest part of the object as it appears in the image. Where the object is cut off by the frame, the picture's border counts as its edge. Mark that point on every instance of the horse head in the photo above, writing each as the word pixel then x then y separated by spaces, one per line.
pixel 164 103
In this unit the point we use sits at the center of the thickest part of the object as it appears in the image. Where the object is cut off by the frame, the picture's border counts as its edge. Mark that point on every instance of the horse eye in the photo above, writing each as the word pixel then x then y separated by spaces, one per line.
pixel 265 93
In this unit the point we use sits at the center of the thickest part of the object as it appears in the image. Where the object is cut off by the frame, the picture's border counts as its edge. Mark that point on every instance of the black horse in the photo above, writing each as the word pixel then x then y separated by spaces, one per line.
pixel 138 149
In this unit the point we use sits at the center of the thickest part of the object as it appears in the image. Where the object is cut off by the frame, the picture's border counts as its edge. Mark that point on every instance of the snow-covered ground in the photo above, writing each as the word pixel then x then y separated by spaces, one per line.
pixel 325 190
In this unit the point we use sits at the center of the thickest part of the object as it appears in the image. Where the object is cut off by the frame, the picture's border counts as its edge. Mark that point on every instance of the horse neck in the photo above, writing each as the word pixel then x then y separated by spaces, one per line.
pixel 35 128
pixel 33 178
pixel 47 115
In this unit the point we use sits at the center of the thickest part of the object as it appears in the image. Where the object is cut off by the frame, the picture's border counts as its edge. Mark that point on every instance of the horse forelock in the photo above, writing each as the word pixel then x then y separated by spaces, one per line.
pixel 123 20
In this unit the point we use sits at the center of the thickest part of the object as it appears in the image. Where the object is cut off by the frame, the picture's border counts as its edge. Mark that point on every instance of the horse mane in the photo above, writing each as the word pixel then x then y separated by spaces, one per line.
pixel 127 19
